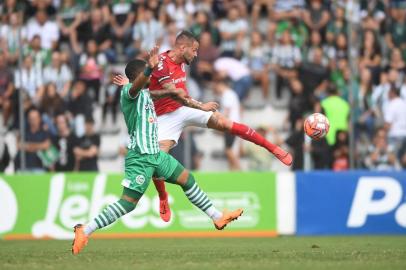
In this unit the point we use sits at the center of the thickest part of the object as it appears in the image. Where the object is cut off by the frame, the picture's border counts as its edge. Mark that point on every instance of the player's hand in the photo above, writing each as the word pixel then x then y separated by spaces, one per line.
pixel 120 80
pixel 210 106
pixel 153 58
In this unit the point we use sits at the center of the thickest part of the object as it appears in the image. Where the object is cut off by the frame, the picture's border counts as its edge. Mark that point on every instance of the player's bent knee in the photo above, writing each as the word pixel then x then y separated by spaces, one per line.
pixel 183 177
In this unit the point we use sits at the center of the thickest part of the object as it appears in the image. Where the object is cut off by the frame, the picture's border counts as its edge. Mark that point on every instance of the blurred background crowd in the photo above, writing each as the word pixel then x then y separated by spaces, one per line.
pixel 283 59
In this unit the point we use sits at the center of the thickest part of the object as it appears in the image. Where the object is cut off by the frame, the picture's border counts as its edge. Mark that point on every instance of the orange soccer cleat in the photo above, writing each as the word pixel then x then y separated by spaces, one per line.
pixel 227 217
pixel 164 209
pixel 283 156
pixel 80 240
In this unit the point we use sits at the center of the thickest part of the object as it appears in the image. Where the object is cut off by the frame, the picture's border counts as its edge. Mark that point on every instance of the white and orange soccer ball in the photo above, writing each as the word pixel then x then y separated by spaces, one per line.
pixel 316 126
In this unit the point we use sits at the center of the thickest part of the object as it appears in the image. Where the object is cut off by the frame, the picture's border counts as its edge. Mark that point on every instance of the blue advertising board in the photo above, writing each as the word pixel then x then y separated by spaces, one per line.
pixel 357 202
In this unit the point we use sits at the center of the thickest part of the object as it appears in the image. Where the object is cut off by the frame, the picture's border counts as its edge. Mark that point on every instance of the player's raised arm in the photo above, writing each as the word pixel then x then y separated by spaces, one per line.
pixel 186 100
pixel 143 77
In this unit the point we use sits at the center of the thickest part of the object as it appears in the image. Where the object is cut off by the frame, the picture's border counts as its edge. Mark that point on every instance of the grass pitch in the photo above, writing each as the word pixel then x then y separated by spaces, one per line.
pixel 344 253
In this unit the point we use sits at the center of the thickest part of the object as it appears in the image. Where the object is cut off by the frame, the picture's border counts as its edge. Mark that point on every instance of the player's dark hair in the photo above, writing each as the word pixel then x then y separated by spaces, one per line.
pixel 133 68
pixel 185 36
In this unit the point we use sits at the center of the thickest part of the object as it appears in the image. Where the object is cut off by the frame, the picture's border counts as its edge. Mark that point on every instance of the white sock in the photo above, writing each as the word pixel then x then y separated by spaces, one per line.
pixel 90 228
pixel 213 213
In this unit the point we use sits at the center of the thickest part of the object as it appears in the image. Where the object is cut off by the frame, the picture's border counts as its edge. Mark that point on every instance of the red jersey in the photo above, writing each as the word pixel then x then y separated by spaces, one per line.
pixel 167 71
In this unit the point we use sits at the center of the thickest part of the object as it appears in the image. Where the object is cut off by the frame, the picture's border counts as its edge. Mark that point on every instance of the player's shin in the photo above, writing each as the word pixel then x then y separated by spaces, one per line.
pixel 199 198
pixel 110 214
pixel 249 134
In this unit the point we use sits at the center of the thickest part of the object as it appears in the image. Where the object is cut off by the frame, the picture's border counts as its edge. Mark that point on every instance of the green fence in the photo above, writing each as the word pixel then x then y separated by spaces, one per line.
pixel 49 205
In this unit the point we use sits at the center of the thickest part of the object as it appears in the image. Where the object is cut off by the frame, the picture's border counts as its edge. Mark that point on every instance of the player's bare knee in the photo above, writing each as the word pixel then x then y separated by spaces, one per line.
pixel 182 178
pixel 129 199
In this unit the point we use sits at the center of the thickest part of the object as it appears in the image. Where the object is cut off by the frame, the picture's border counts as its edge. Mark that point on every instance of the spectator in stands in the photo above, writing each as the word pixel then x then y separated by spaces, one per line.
pixel 340 151
pixel 202 68
pixel 257 6
pixel 314 75
pixel 232 31
pixel 336 26
pixel 45 28
pixel 64 141
pixel 9 37
pixel 316 16
pixel 285 9
pixel 340 49
pixel 4 155
pixel 98 30
pixel 68 18
pixel 89 6
pixel 79 102
pixel 32 7
pixel 396 29
pixel 146 33
pixel 12 6
pixel 6 89
pixel 381 156
pixel 395 118
pixel 296 143
pixel 320 153
pixel 298 103
pixel 121 20
pixel 29 79
pixel 364 113
pixel 40 56
pixel 203 24
pixel 370 56
pixel 180 12
pixel 60 74
pixel 37 139
pixel 112 99
pixel 337 111
pixel 257 58
pixel 86 149
pixel 286 58
pixel 230 108
pixel 51 104
pixel 315 44
pixel 237 72
pixel 397 63
pixel 92 65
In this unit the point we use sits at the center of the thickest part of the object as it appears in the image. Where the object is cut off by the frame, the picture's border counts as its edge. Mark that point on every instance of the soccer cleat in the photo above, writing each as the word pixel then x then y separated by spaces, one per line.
pixel 164 209
pixel 80 240
pixel 227 218
pixel 283 156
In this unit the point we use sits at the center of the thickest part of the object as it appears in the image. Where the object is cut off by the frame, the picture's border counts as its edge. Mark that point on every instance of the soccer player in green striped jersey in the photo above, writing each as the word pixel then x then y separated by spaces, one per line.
pixel 144 158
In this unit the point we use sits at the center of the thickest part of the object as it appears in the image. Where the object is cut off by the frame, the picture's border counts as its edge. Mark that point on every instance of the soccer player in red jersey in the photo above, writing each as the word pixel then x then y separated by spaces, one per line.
pixel 173 116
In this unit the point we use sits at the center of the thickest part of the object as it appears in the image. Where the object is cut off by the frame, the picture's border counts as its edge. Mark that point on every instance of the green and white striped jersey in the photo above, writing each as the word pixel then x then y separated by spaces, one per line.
pixel 141 120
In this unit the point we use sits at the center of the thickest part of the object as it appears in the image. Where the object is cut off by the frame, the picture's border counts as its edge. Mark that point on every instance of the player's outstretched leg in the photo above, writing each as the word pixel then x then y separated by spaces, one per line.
pixel 109 215
pixel 164 209
pixel 219 122
pixel 198 197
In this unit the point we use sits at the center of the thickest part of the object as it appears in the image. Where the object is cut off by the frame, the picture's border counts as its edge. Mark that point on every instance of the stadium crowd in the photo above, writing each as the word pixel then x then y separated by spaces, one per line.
pixel 295 48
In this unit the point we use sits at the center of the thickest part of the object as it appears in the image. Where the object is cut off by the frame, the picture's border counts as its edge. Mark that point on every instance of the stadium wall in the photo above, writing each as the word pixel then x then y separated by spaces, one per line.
pixel 314 203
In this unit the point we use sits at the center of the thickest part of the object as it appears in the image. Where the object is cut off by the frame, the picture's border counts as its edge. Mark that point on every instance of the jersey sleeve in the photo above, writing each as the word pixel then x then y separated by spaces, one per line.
pixel 161 73
pixel 125 94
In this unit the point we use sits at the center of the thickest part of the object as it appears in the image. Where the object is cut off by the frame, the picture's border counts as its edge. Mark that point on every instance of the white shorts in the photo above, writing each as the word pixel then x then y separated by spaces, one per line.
pixel 171 125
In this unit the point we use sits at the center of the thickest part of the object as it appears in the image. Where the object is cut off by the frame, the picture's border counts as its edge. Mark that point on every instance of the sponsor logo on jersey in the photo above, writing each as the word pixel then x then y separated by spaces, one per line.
pixel 149 106
pixel 175 81
pixel 140 179
pixel 183 67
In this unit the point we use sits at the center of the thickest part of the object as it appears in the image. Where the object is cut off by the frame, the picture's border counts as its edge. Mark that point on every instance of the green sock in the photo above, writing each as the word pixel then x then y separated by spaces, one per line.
pixel 109 214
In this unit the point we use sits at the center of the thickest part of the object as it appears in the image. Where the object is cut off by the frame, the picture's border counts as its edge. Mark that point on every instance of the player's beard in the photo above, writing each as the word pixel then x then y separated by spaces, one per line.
pixel 186 60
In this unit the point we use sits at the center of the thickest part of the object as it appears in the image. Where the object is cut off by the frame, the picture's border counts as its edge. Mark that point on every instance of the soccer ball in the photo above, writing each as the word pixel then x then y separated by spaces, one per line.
pixel 316 126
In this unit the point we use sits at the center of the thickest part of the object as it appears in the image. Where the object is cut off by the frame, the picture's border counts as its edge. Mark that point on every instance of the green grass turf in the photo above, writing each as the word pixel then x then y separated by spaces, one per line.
pixel 344 253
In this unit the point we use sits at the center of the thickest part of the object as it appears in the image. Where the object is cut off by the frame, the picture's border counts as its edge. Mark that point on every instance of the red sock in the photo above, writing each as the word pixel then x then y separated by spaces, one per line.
pixel 160 187
pixel 249 134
